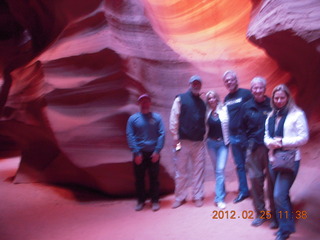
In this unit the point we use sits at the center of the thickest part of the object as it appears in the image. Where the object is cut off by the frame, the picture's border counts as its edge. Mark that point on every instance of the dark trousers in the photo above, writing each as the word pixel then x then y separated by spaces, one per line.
pixel 140 172
pixel 239 154
pixel 257 164
pixel 281 183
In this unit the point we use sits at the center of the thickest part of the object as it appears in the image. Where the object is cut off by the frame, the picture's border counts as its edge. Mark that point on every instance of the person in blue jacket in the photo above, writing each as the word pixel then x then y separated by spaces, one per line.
pixel 146 136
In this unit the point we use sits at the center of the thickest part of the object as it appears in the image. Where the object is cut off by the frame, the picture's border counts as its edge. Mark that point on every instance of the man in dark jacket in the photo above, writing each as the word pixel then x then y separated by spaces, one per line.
pixel 234 100
pixel 254 113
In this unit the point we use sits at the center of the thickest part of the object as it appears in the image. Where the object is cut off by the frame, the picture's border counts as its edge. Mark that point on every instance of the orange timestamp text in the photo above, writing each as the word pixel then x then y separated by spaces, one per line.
pixel 249 214
pixel 285 214
pixel 232 214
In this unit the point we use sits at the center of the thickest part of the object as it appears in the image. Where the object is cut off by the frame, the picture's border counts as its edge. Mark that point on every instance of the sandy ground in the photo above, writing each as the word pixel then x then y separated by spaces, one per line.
pixel 43 212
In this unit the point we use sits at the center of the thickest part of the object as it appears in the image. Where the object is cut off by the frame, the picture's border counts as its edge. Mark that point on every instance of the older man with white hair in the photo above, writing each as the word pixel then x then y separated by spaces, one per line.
pixel 234 100
pixel 254 113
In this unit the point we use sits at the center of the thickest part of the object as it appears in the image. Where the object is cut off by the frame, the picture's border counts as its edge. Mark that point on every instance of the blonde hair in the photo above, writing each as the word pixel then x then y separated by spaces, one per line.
pixel 216 95
pixel 282 87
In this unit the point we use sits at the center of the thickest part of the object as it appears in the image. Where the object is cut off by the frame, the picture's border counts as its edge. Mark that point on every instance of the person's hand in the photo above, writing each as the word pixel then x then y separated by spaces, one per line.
pixel 155 157
pixel 175 142
pixel 276 143
pixel 248 153
pixel 138 159
pixel 249 149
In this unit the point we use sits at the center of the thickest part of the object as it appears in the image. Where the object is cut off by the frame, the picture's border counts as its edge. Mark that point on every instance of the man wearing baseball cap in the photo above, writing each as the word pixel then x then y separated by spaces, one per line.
pixel 146 135
pixel 187 125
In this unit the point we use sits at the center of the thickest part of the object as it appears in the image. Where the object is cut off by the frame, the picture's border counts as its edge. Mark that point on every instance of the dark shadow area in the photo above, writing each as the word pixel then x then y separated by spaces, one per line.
pixel 302 60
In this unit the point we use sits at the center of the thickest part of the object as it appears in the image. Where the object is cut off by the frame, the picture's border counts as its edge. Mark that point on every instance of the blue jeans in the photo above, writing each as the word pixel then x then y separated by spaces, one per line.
pixel 238 148
pixel 281 183
pixel 218 153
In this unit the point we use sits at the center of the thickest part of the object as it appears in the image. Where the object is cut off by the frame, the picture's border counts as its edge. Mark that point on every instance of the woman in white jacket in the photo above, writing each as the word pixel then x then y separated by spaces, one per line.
pixel 217 142
pixel 286 128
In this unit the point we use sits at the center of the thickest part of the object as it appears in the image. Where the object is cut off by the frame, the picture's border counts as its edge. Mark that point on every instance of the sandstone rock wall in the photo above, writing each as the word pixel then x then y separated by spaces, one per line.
pixel 72 71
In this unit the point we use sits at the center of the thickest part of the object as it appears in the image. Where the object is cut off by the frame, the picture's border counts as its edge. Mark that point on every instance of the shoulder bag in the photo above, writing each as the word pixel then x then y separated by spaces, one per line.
pixel 284 160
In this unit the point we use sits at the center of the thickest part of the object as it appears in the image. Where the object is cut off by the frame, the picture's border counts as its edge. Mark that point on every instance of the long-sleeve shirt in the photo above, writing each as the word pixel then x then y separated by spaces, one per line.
pixel 174 118
pixel 234 101
pixel 145 132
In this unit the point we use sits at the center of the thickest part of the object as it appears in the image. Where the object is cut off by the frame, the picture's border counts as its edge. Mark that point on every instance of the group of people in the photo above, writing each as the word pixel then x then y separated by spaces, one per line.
pixel 252 124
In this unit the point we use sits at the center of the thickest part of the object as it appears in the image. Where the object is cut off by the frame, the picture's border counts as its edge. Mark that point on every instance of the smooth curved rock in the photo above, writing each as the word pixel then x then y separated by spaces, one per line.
pixel 289 31
pixel 72 71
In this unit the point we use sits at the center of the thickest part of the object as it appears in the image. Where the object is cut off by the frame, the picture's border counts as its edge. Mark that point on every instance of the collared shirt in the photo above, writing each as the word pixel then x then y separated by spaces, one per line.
pixel 145 132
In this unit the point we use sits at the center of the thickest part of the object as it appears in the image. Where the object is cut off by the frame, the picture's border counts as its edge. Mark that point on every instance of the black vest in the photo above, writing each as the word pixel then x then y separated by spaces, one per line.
pixel 192 117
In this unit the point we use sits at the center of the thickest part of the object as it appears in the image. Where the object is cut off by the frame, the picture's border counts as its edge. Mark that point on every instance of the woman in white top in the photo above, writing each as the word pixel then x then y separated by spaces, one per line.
pixel 286 128
pixel 217 142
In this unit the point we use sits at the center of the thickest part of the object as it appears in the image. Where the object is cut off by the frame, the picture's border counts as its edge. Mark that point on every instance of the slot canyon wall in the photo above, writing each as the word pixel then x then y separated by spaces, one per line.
pixel 71 72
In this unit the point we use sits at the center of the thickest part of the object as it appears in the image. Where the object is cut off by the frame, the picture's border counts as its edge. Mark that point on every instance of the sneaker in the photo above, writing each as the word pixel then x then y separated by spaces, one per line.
pixel 221 205
pixel 155 206
pixel 258 221
pixel 198 203
pixel 139 206
pixel 177 203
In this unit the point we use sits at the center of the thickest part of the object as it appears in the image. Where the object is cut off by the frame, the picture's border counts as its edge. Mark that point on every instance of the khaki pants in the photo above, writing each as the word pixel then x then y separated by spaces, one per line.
pixel 191 152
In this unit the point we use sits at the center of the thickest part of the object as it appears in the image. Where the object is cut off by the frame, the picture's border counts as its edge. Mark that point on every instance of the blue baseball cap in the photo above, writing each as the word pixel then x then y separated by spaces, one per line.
pixel 195 78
